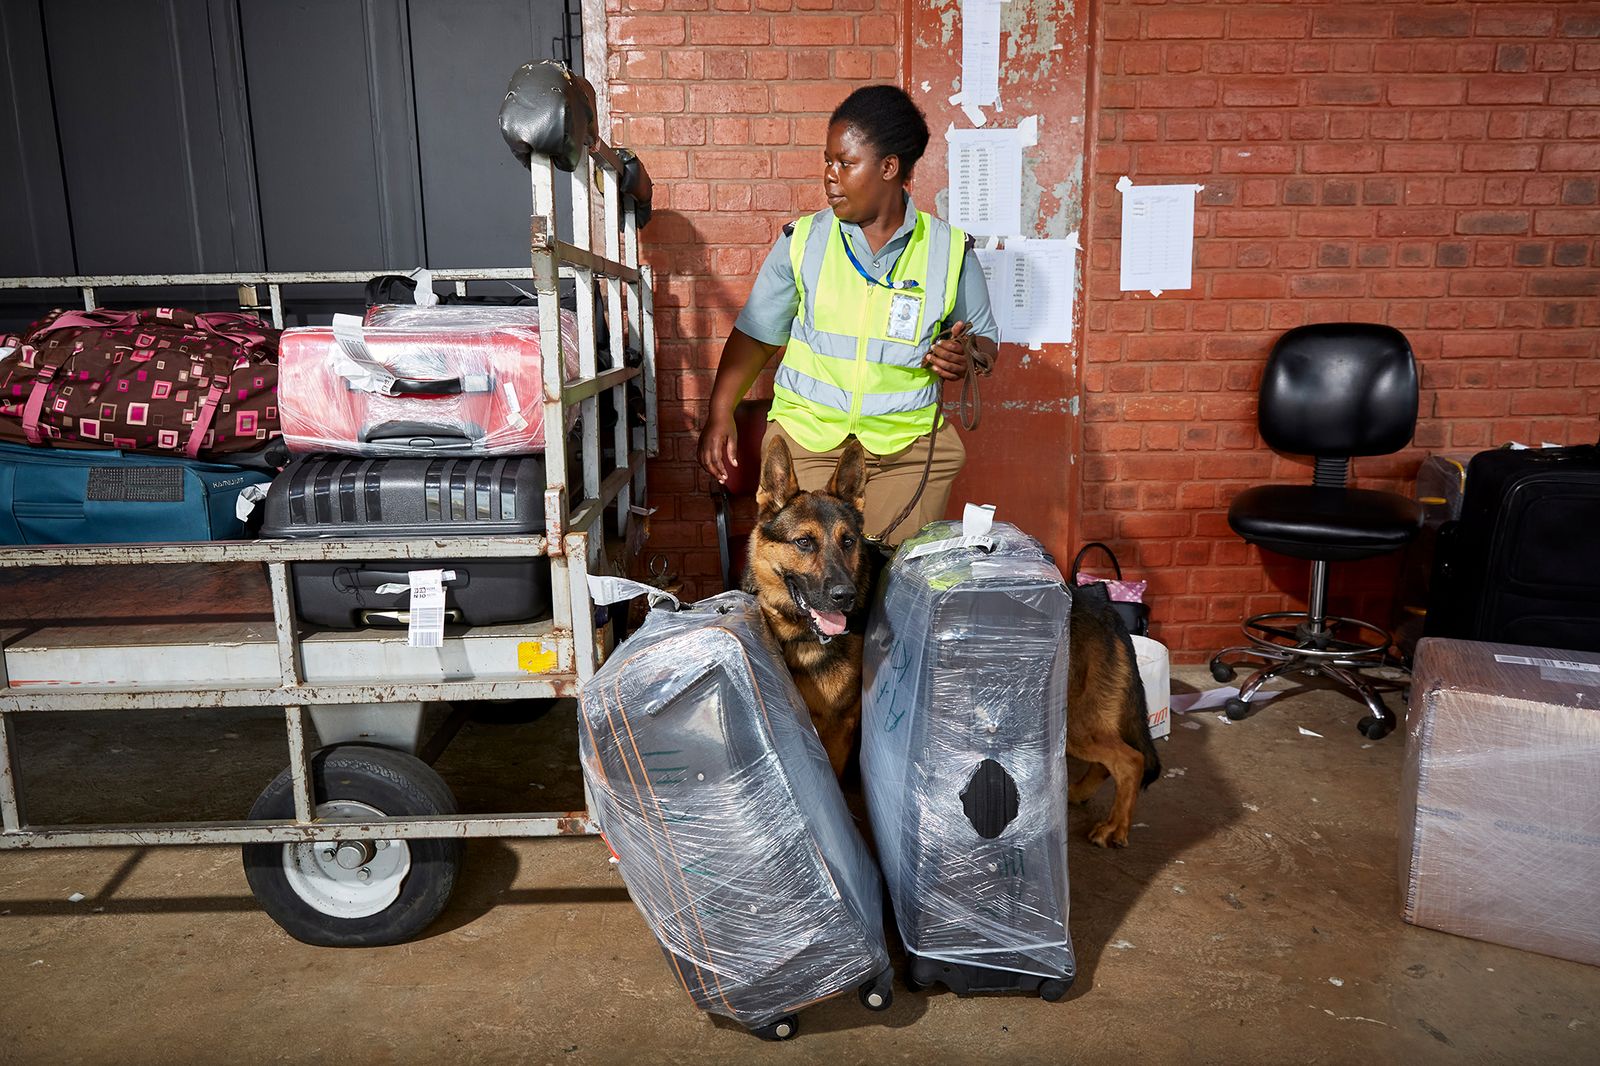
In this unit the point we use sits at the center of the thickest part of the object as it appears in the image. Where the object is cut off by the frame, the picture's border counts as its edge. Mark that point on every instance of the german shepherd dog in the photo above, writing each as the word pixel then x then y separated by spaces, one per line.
pixel 1106 724
pixel 809 570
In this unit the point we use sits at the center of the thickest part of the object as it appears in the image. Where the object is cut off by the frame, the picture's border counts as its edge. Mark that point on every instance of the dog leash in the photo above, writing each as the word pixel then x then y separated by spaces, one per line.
pixel 971 410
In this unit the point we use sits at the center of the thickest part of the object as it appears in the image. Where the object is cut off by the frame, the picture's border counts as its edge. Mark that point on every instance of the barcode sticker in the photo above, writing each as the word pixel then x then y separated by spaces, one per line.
pixel 950 544
pixel 514 419
pixel 1558 664
pixel 426 609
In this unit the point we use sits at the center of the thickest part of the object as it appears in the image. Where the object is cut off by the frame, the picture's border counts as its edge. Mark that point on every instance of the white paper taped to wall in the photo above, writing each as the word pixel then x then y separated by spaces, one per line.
pixel 986 181
pixel 1031 284
pixel 980 54
pixel 1157 236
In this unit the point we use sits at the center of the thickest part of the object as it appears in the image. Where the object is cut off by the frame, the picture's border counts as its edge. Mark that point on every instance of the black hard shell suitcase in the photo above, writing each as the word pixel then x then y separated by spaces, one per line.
pixel 1522 565
pixel 340 497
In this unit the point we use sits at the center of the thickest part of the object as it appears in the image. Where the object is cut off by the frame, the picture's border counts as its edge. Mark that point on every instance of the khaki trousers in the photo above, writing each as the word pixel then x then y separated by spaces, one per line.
pixel 891 479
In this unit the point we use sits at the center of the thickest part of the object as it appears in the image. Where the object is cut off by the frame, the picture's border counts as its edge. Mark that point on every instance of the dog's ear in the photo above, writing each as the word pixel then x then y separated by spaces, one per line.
pixel 778 484
pixel 849 480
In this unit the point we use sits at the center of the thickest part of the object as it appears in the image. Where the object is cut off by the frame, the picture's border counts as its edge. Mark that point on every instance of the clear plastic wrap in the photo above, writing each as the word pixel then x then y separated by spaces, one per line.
pixel 428 381
pixel 964 750
pixel 729 828
pixel 1500 798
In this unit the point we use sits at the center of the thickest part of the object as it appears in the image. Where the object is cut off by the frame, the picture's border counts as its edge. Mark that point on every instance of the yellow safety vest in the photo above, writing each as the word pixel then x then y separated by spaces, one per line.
pixel 854 361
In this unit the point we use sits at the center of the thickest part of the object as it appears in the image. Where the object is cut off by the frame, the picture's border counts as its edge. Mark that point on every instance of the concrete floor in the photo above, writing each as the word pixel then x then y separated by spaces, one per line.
pixel 1254 919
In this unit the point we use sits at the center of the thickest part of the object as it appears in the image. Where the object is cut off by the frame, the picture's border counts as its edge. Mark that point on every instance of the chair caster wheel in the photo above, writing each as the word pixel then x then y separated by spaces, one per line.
pixel 1236 709
pixel 1374 729
pixel 1222 672
pixel 783 1029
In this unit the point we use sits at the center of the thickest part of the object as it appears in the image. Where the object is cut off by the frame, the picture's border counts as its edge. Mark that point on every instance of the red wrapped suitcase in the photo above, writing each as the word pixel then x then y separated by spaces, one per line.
pixel 433 385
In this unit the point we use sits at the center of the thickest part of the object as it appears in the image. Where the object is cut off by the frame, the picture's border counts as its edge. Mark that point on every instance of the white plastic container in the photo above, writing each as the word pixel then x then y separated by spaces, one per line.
pixel 1156 673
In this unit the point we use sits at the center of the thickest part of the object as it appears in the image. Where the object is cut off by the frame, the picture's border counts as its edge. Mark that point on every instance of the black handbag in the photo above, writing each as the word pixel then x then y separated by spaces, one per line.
pixel 1135 616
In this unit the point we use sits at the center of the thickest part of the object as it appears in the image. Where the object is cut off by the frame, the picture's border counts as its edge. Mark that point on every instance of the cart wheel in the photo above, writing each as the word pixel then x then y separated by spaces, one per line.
pixel 783 1029
pixel 356 893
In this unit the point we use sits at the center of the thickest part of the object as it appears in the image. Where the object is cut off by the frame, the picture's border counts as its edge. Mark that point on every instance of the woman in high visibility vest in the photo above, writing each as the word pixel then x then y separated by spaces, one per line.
pixel 875 305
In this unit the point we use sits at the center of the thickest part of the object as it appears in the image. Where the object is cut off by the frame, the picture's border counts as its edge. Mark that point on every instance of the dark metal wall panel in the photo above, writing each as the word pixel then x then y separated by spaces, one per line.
pixel 475 195
pixel 333 119
pixel 35 233
pixel 136 108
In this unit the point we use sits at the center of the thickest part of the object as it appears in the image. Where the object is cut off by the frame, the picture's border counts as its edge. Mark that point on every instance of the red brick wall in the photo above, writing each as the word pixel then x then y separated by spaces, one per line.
pixel 1432 166
pixel 727 102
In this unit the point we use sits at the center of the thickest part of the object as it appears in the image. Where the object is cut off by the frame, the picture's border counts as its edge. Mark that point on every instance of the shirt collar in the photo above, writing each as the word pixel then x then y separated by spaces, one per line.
pixel 858 240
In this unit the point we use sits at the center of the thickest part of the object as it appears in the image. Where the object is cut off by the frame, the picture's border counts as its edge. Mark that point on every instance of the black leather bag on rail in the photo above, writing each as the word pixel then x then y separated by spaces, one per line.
pixel 1135 615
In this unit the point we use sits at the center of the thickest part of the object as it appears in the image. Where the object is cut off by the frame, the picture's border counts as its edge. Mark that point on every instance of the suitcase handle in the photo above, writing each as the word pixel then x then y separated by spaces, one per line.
pixel 346 580
pixel 400 618
pixel 422 436
pixel 426 387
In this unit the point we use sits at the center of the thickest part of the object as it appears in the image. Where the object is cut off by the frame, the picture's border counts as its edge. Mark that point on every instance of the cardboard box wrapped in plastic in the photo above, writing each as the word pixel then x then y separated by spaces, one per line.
pixel 716 796
pixel 1500 801
pixel 964 758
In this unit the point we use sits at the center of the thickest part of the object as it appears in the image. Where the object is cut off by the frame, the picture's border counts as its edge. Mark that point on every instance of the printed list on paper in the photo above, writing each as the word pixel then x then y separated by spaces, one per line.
pixel 1157 236
pixel 1030 288
pixel 980 52
pixel 986 181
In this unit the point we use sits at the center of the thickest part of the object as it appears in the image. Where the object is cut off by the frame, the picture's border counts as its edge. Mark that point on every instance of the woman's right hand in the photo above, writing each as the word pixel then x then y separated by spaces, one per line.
pixel 719 446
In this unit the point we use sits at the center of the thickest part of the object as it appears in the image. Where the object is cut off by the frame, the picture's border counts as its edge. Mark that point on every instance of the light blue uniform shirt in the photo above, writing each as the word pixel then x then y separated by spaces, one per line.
pixel 770 311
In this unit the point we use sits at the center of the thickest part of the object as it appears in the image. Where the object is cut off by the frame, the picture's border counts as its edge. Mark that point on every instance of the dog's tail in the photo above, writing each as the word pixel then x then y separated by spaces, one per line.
pixel 1135 725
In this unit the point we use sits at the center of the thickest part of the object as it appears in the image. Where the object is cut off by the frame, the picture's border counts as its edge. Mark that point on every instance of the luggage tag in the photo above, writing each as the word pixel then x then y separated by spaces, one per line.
pixel 249 497
pixel 368 375
pixel 425 629
pixel 976 520
pixel 905 313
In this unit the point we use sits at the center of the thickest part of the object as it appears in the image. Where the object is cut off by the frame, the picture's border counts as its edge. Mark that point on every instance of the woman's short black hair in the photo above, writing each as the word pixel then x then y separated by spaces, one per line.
pixel 889 120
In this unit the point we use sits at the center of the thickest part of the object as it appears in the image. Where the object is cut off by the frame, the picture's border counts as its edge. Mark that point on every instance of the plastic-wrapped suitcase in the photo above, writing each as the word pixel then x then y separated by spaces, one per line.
pixel 329 496
pixel 963 756
pixel 444 382
pixel 729 828
pixel 1518 567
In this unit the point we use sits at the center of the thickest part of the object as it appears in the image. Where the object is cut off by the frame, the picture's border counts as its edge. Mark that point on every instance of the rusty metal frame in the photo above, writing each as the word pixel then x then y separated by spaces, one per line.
pixel 573 540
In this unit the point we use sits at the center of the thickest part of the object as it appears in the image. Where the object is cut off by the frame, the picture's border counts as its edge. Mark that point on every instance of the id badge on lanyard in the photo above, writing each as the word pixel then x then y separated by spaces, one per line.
pixel 905 315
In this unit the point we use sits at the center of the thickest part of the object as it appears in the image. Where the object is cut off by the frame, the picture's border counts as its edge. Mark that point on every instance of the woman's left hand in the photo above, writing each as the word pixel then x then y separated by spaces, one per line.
pixel 949 357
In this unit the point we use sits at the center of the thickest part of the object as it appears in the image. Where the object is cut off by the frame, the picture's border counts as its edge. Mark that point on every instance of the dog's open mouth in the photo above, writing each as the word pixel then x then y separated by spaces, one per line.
pixel 827 623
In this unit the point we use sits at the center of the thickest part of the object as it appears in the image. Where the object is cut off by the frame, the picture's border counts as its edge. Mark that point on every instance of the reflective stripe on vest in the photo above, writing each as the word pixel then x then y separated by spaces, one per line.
pixel 842 373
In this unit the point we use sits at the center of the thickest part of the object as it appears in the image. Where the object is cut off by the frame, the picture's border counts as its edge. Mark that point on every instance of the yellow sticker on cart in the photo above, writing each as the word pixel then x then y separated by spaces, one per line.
pixel 534 658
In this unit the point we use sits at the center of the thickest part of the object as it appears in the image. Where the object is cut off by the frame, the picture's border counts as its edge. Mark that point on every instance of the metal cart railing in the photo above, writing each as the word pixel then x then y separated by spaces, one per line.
pixel 342 845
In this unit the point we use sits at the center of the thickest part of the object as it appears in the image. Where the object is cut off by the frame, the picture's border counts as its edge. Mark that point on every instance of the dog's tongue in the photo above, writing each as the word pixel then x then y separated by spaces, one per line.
pixel 830 622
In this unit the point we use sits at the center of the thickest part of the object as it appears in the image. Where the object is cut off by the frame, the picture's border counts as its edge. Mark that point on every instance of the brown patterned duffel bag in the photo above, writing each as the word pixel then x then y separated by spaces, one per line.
pixel 159 379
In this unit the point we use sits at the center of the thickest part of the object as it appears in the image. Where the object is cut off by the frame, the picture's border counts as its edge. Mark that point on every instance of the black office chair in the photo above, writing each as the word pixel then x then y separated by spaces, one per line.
pixel 1331 391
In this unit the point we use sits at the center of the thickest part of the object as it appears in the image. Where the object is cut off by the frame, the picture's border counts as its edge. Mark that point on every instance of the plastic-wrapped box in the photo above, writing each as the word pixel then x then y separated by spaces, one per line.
pixel 729 828
pixel 427 381
pixel 964 758
pixel 1500 800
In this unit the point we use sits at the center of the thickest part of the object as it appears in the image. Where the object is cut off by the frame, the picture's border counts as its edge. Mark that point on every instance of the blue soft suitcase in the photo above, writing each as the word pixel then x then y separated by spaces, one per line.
pixel 50 496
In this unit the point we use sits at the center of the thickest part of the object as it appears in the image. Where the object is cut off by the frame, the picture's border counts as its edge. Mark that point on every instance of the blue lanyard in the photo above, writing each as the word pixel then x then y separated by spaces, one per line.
pixel 869 278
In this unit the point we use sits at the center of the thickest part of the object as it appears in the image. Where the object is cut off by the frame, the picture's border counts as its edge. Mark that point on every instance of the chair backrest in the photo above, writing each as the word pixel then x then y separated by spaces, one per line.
pixel 1338 389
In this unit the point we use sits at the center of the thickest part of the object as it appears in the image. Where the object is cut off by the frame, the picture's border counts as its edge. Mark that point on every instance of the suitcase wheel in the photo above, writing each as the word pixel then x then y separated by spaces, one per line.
pixel 783 1029
pixel 1053 989
pixel 878 993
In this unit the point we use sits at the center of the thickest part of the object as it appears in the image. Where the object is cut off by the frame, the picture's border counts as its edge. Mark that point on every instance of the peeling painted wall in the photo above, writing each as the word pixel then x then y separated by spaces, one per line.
pixel 1023 455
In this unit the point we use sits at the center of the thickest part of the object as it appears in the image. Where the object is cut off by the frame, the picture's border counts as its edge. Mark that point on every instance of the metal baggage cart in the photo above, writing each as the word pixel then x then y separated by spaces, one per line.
pixel 335 860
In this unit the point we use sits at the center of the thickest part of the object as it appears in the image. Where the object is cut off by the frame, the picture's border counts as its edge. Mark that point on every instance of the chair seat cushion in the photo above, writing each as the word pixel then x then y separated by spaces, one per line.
pixel 1311 522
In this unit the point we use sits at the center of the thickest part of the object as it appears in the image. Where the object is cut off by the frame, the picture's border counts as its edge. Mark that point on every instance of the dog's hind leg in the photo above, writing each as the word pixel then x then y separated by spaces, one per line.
pixel 1087 784
pixel 1125 766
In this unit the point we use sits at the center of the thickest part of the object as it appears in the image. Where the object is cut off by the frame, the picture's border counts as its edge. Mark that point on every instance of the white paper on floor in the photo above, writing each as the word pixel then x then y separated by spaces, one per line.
pixel 1184 702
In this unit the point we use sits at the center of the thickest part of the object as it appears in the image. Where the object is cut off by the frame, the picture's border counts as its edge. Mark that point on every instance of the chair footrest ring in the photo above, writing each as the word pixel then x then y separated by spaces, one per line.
pixel 1337 638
